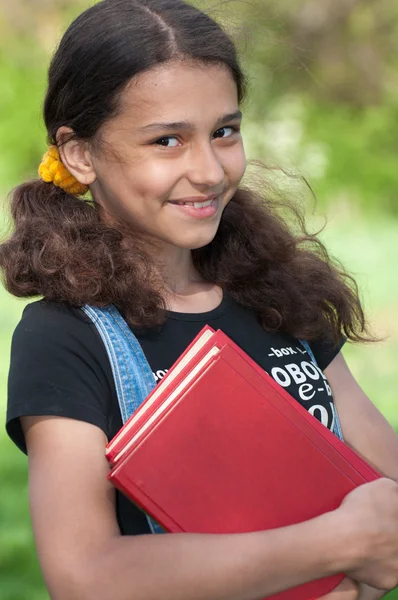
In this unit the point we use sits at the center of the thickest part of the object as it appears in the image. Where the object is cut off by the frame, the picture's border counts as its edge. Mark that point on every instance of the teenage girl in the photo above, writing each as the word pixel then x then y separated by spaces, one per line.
pixel 143 111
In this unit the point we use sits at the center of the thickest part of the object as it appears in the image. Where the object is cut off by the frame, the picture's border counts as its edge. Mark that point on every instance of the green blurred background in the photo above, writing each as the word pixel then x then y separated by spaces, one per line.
pixel 323 102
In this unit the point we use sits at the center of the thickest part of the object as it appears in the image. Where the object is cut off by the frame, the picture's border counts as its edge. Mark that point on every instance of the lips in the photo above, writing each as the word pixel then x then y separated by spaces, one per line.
pixel 196 210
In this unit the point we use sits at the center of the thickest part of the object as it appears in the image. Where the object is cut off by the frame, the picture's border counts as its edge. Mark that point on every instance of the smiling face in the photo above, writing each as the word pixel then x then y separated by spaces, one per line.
pixel 180 153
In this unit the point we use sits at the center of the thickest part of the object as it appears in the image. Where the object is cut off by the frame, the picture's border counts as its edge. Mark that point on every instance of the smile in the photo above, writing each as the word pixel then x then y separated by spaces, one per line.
pixel 194 204
pixel 197 210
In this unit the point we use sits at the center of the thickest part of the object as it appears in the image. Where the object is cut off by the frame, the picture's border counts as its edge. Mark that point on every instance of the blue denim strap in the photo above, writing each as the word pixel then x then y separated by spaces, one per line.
pixel 337 426
pixel 132 373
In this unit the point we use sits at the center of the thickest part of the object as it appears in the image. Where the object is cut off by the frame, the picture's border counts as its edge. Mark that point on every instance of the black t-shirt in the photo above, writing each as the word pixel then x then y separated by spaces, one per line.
pixel 60 367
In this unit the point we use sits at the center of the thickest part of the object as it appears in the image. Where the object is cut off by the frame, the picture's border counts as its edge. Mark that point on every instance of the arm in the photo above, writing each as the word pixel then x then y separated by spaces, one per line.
pixel 364 427
pixel 83 555
pixel 365 430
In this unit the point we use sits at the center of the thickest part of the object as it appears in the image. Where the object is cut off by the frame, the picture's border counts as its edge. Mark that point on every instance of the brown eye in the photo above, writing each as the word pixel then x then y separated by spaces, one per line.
pixel 221 133
pixel 164 141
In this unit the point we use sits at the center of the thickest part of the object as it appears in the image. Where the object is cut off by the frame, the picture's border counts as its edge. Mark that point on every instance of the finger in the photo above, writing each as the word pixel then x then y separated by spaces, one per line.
pixel 346 590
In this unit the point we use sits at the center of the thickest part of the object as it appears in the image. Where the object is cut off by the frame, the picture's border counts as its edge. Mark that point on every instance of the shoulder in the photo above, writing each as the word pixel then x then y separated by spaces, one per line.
pixel 57 336
pixel 59 366
pixel 49 324
pixel 43 315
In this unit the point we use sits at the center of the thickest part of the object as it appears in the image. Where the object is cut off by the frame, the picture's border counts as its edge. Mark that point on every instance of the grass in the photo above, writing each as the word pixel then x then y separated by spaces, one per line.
pixel 368 248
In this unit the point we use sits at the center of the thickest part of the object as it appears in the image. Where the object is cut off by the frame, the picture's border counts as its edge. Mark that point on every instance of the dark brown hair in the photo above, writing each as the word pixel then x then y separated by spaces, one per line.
pixel 63 249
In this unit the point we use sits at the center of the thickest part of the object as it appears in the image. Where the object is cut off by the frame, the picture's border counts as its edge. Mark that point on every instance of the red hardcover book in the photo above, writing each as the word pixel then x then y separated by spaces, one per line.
pixel 165 393
pixel 167 383
pixel 225 449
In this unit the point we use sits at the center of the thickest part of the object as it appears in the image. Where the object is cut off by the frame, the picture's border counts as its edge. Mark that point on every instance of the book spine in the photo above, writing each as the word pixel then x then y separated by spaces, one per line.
pixel 116 444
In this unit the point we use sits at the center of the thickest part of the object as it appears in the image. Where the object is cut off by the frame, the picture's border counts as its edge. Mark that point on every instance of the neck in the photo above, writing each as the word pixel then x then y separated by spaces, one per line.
pixel 184 289
pixel 178 272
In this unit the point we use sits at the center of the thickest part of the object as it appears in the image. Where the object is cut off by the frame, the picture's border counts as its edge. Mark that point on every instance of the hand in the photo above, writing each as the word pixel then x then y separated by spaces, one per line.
pixel 368 593
pixel 370 518
pixel 346 590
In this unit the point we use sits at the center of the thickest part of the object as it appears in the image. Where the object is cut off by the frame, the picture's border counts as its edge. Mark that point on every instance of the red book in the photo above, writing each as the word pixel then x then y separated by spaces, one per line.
pixel 172 377
pixel 222 448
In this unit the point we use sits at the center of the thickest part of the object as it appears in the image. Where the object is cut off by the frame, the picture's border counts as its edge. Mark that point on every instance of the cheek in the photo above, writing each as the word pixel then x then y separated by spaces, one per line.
pixel 237 165
pixel 155 178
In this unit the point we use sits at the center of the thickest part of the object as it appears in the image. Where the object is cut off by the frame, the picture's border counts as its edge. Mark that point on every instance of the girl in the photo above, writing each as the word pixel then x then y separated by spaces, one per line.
pixel 143 109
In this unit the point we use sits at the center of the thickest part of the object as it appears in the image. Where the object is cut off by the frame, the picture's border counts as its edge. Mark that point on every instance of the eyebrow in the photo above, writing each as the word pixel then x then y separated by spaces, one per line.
pixel 188 126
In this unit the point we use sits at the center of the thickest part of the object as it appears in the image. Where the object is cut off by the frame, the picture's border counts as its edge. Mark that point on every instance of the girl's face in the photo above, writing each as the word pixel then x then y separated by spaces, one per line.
pixel 176 140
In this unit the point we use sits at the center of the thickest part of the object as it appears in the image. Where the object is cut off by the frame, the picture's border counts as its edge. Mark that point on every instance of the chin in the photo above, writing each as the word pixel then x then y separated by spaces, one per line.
pixel 195 242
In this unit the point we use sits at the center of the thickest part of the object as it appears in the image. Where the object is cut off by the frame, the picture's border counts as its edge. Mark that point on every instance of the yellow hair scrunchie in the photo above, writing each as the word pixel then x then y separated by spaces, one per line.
pixel 53 170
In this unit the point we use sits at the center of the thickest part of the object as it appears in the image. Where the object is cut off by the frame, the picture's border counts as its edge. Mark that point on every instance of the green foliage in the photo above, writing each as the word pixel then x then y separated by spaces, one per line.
pixel 360 147
pixel 322 97
pixel 26 45
pixel 347 153
pixel 21 131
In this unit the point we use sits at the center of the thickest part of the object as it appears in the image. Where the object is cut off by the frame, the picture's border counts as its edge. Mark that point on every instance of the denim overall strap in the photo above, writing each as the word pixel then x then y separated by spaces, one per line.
pixel 132 373
pixel 337 426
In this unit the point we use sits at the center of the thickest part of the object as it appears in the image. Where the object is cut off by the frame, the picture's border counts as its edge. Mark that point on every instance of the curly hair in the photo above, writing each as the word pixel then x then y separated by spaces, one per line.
pixel 64 250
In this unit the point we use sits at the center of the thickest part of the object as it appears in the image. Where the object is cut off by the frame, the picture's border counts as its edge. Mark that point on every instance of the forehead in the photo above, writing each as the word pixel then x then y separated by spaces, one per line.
pixel 179 91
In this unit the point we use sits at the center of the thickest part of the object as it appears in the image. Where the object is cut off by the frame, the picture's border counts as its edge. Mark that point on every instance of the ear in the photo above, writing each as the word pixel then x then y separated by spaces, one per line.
pixel 76 156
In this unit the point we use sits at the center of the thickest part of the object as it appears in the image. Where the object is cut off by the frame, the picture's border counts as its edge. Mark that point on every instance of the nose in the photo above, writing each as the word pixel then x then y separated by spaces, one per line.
pixel 205 167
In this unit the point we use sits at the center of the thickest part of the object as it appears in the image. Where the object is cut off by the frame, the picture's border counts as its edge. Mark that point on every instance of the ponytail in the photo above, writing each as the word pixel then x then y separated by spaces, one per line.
pixel 37 251
pixel 60 249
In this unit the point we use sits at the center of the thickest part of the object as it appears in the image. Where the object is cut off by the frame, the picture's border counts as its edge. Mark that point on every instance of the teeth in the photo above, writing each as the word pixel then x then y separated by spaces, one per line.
pixel 194 204
pixel 202 204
